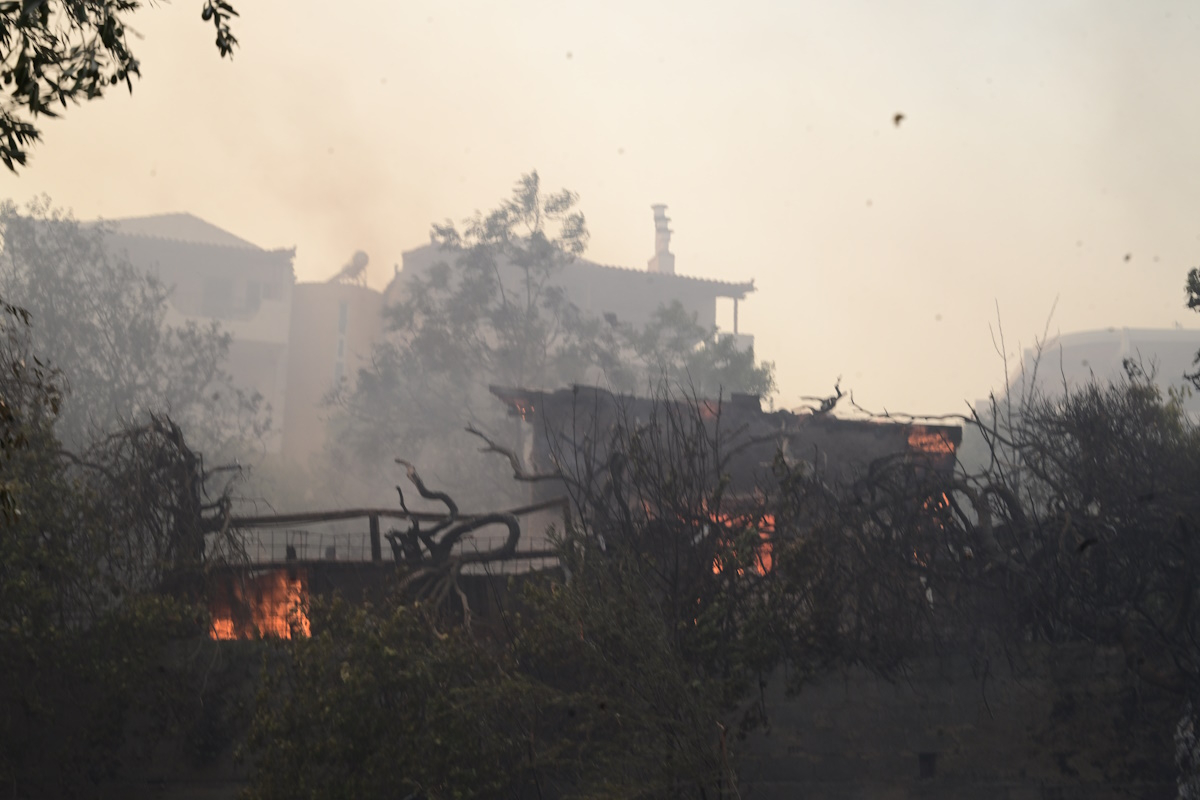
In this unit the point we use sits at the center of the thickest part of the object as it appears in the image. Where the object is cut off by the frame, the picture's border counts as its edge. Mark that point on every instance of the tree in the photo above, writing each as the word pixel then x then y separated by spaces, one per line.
pixel 102 324
pixel 675 347
pixel 1193 302
pixel 102 558
pixel 493 313
pixel 616 679
pixel 61 51
pixel 1100 514
pixel 584 698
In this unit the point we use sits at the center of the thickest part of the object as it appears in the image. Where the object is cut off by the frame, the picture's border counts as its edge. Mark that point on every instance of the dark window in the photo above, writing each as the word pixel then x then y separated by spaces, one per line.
pixel 927 764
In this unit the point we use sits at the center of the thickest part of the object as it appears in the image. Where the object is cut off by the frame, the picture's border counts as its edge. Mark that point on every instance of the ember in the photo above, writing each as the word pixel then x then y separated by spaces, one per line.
pixel 272 604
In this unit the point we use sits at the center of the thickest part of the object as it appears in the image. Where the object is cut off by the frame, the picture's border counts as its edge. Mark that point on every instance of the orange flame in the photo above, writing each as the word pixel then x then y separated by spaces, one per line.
pixel 524 408
pixel 276 602
pixel 924 440
pixel 762 558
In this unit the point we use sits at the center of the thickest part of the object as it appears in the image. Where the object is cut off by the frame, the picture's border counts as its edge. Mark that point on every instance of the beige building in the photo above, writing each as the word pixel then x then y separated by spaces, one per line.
pixel 216 276
pixel 334 325
pixel 294 343
pixel 623 293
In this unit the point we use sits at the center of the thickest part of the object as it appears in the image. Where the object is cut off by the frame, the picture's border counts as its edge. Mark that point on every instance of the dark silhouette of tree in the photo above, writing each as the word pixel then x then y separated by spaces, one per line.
pixel 103 553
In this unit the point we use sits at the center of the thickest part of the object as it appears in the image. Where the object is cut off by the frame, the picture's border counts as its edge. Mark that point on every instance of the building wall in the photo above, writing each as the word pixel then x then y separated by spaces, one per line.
pixel 334 326
pixel 634 295
pixel 247 290
pixel 261 367
pixel 1078 357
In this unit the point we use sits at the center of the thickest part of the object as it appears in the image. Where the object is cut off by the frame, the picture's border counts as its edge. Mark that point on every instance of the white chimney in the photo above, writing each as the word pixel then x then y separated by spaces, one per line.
pixel 664 259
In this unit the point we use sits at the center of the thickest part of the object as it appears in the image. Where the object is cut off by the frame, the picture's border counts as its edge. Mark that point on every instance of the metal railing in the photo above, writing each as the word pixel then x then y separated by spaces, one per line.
pixel 358 536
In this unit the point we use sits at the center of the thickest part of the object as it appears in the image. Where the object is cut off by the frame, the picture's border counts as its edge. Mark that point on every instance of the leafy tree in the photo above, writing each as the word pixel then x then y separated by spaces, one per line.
pixel 675 347
pixel 102 557
pixel 111 519
pixel 1193 301
pixel 490 313
pixel 582 695
pixel 382 703
pixel 1099 513
pixel 102 324
pixel 57 51
pixel 493 313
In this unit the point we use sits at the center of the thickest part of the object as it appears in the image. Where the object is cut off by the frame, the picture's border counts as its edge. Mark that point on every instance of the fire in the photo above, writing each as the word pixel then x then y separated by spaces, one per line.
pixel 923 440
pixel 762 558
pixel 525 408
pixel 271 604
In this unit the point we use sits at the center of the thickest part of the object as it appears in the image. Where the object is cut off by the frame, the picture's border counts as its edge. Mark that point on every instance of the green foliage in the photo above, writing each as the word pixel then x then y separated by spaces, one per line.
pixel 627 713
pixel 71 692
pixel 29 400
pixel 491 313
pixel 100 553
pixel 675 347
pixel 584 695
pixel 494 313
pixel 492 308
pixel 101 569
pixel 102 324
pixel 1193 302
pixel 381 703
pixel 1109 528
pixel 59 51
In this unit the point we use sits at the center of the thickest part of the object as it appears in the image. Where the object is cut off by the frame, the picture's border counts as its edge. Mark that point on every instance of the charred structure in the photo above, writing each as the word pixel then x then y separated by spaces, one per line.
pixel 839 450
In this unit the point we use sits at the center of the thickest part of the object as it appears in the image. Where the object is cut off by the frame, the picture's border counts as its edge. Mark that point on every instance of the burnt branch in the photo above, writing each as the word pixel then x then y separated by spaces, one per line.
pixel 519 472
pixel 426 492
pixel 407 545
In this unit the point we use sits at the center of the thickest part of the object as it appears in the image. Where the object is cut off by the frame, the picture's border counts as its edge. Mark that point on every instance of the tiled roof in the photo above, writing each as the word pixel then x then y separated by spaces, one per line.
pixel 731 286
pixel 178 228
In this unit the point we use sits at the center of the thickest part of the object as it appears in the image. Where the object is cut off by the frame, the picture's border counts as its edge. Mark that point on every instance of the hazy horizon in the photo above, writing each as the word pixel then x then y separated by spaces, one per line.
pixel 1046 152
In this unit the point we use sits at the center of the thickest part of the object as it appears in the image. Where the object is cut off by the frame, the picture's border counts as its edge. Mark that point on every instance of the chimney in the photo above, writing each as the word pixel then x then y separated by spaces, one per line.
pixel 664 259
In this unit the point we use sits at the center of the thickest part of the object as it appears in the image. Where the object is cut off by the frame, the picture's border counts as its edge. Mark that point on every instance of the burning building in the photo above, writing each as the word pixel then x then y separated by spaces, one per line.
pixel 268 603
pixel 840 450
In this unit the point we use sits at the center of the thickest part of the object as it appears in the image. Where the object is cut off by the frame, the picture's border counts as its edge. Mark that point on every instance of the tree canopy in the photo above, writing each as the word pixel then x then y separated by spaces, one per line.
pixel 102 557
pixel 103 325
pixel 493 311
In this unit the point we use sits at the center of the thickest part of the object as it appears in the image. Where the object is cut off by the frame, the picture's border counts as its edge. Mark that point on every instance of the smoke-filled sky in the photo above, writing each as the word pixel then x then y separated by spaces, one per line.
pixel 1049 149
